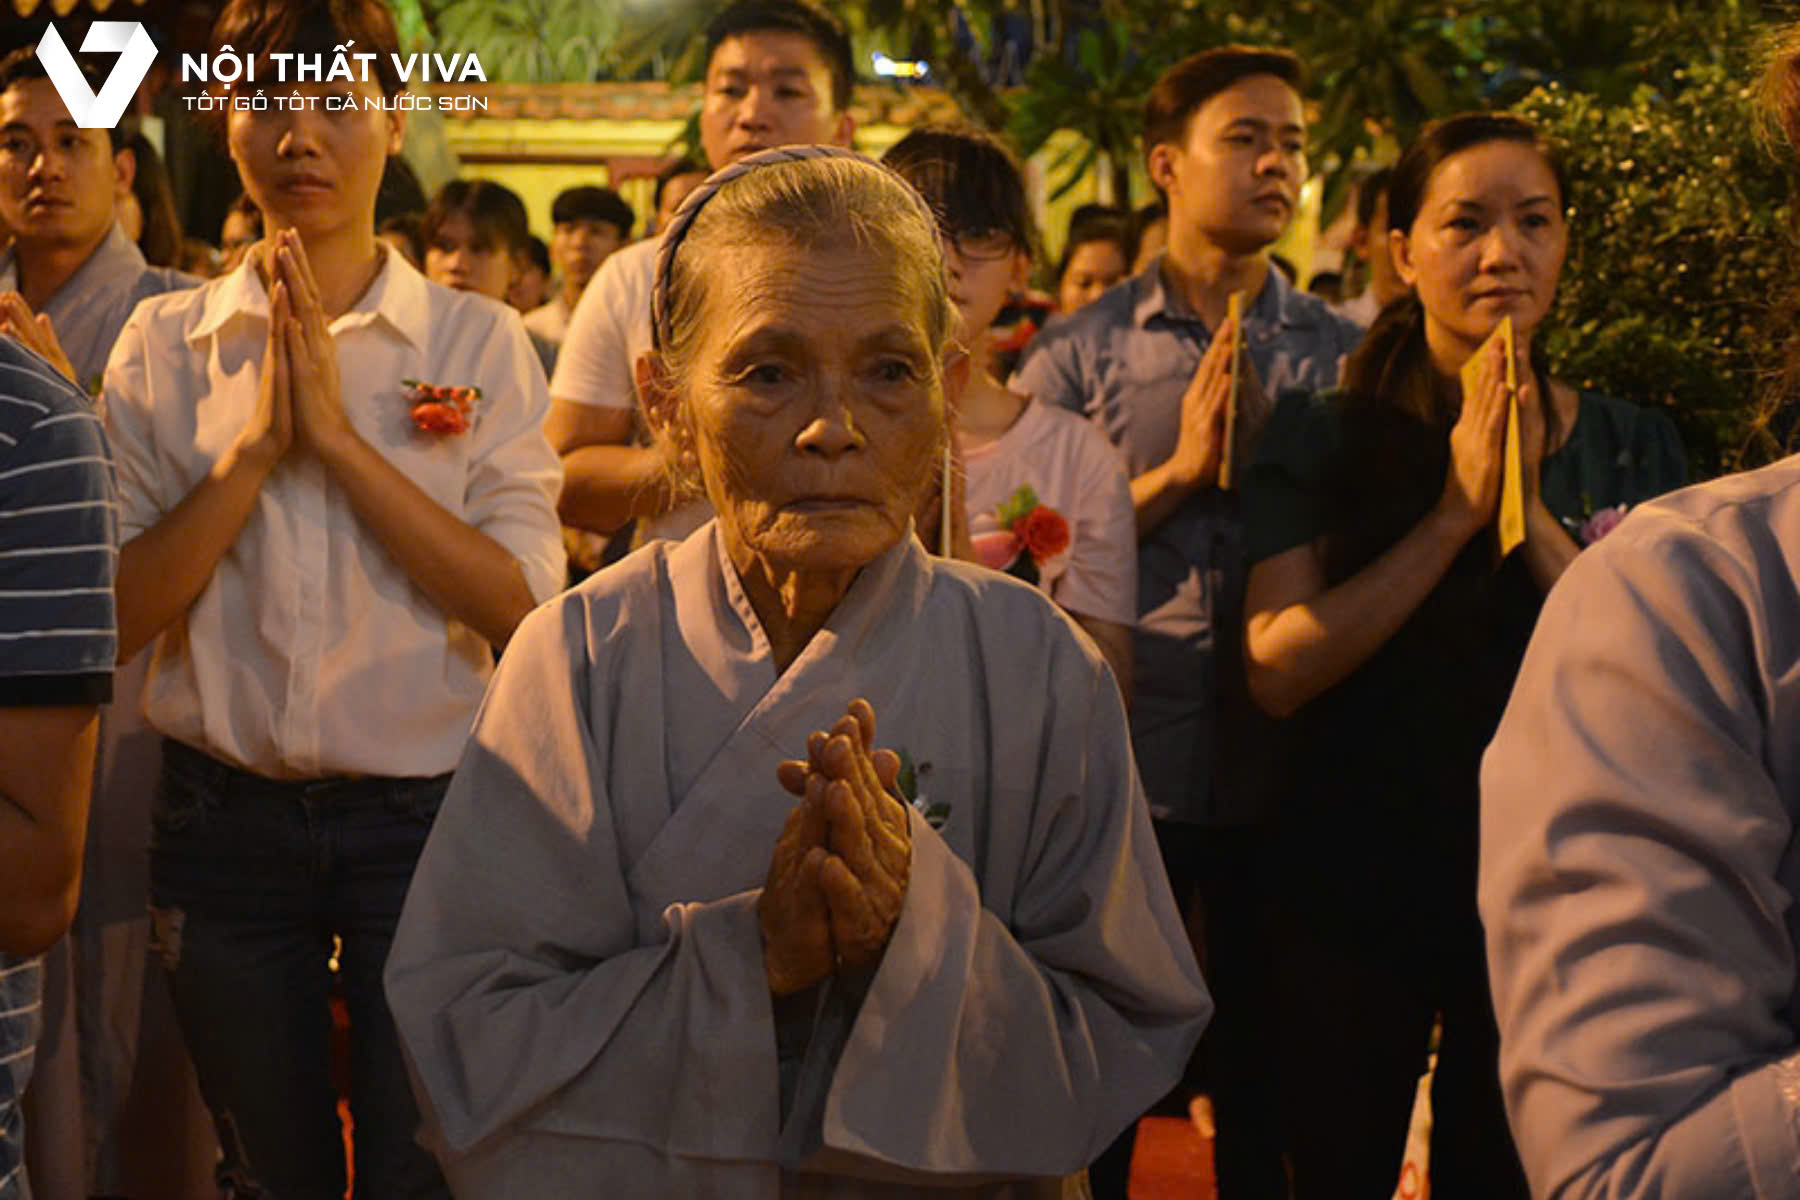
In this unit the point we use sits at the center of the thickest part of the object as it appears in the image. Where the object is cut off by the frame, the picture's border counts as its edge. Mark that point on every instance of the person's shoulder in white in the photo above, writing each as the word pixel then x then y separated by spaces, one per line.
pixel 182 306
pixel 608 328
pixel 1073 433
pixel 549 320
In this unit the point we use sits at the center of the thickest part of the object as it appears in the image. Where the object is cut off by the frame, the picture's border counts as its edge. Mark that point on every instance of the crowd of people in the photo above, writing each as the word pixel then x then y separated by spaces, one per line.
pixel 780 707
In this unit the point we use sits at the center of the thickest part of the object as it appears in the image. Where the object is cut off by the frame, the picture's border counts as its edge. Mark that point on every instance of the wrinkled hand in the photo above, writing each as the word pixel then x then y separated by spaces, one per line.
pixel 318 403
pixel 796 923
pixel 849 815
pixel 1200 444
pixel 866 875
pixel 34 333
pixel 1478 445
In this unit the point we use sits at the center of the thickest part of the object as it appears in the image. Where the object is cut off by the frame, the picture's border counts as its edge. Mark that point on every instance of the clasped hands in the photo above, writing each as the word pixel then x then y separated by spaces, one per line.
pixel 1200 441
pixel 299 400
pixel 1472 484
pixel 34 332
pixel 838 877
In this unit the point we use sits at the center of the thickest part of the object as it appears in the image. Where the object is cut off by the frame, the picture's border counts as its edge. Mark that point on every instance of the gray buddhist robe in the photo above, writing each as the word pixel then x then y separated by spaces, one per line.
pixel 1638 858
pixel 578 974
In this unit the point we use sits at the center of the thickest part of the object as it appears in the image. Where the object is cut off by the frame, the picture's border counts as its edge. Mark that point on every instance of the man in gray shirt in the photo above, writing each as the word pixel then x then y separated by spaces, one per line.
pixel 70 260
pixel 1225 136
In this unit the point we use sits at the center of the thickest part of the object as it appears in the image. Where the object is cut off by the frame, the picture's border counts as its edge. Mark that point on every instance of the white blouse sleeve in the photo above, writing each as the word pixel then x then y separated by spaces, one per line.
pixel 514 476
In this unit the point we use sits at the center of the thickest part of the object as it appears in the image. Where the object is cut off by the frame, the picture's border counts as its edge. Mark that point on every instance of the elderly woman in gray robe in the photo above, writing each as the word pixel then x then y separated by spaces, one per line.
pixel 688 925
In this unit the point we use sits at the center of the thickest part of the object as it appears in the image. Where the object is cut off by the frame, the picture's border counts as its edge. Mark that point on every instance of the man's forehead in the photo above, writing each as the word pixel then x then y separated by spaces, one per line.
pixel 775 50
pixel 34 102
pixel 1262 99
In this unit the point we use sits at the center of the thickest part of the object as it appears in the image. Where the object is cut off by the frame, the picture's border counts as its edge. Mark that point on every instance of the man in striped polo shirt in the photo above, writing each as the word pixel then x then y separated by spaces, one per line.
pixel 72 262
pixel 58 640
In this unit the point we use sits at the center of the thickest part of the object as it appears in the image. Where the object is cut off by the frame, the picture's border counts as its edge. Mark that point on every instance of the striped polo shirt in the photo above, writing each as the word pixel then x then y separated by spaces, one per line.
pixel 58 639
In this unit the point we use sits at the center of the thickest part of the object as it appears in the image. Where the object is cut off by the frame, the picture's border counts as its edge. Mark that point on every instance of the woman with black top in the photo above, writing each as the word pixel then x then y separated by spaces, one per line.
pixel 1387 628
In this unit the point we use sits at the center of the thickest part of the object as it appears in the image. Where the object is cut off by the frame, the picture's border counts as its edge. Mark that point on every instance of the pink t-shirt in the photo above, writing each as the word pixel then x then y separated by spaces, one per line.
pixel 1074 471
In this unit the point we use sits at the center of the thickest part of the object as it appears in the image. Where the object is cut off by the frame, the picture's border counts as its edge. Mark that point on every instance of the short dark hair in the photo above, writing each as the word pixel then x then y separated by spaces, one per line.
pixel 1101 224
pixel 825 32
pixel 245 205
pixel 972 182
pixel 537 253
pixel 255 29
pixel 161 238
pixel 409 226
pixel 1392 364
pixel 494 209
pixel 24 66
pixel 1372 188
pixel 1449 136
pixel 670 173
pixel 1184 87
pixel 590 203
pixel 311 27
pixel 400 191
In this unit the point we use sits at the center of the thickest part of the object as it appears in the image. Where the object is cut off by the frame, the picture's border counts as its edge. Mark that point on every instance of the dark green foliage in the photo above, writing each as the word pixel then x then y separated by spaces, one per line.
pixel 1679 256
pixel 1096 88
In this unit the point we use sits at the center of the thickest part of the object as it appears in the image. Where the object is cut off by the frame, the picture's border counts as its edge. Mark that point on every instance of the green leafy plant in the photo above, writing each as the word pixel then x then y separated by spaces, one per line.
pixel 1099 96
pixel 530 41
pixel 1380 68
pixel 1679 254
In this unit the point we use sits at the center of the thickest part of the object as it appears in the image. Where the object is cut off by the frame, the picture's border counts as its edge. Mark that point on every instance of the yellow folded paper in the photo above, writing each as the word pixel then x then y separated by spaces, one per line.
pixel 1234 313
pixel 1511 523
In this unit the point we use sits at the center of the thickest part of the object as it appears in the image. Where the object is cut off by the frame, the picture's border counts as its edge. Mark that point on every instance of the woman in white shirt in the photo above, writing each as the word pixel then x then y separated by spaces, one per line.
pixel 1046 496
pixel 337 503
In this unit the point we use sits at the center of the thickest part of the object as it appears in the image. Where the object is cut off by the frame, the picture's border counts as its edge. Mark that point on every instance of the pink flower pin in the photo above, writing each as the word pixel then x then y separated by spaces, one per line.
pixel 1601 523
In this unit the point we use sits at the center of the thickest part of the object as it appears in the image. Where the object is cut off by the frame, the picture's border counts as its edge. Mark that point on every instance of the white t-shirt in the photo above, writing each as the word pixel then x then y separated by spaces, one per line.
pixel 608 331
pixel 1075 471
pixel 550 321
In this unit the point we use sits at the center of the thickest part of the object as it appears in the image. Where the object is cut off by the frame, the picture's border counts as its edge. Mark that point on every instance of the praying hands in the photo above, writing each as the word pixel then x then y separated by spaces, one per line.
pixel 838 876
pixel 34 332
pixel 301 400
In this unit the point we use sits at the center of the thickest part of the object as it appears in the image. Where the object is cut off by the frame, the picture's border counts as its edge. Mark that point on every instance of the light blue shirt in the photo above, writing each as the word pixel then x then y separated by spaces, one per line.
pixel 1125 361
pixel 91 306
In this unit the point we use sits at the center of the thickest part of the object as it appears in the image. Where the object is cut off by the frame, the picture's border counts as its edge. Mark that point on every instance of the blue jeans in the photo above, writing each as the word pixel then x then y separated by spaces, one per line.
pixel 251 879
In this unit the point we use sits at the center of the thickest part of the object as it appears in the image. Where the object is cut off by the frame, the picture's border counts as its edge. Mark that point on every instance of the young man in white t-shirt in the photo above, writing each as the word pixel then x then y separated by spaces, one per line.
pixel 778 72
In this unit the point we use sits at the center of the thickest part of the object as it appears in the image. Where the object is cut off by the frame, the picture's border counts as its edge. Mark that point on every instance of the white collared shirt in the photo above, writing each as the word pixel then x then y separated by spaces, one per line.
pixel 310 652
